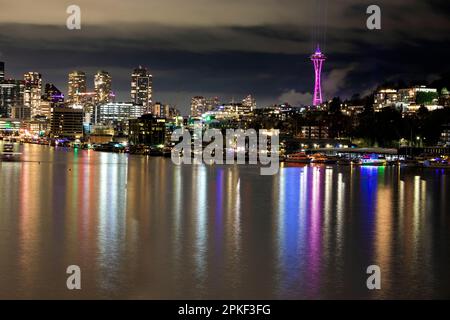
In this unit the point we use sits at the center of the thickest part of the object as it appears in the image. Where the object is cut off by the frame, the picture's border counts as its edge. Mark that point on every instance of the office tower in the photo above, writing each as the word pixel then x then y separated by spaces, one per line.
pixel 11 94
pixel 102 87
pixel 77 87
pixel 32 91
pixel 141 88
pixel 21 112
pixel 115 112
pixel 160 110
pixel 211 104
pixel 198 106
pixel 52 93
pixel 249 103
pixel 2 71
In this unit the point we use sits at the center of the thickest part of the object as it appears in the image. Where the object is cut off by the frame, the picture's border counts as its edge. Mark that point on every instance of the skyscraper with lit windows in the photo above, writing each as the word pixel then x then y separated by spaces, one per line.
pixel 77 87
pixel 141 88
pixel 11 95
pixel 32 92
pixel 198 106
pixel 102 87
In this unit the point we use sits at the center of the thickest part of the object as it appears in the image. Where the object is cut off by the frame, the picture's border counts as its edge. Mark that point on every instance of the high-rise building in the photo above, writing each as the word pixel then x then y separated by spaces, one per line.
pixel 318 59
pixel 2 70
pixel 212 103
pixel 198 106
pixel 32 91
pixel 77 87
pixel 102 87
pixel 52 94
pixel 141 88
pixel 249 103
pixel 160 110
pixel 45 109
pixel 21 112
pixel 11 95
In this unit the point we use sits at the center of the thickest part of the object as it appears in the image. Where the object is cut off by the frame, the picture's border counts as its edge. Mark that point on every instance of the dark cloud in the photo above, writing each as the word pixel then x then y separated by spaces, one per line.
pixel 228 48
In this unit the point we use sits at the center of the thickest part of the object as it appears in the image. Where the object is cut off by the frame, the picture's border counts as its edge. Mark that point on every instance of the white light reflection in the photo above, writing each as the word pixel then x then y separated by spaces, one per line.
pixel 201 237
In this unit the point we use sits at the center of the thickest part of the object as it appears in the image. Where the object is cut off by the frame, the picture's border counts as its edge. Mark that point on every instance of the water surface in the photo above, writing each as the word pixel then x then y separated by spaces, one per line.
pixel 141 227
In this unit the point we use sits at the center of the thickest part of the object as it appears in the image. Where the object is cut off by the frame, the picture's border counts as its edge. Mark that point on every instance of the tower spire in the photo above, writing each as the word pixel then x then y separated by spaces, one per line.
pixel 317 58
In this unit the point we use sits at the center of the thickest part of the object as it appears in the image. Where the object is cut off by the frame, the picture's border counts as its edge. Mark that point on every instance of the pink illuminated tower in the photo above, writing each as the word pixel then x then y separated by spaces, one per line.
pixel 317 58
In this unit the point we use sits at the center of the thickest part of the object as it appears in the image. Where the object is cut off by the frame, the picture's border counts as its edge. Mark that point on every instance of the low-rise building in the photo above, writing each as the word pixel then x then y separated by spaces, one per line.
pixel 66 122
pixel 148 130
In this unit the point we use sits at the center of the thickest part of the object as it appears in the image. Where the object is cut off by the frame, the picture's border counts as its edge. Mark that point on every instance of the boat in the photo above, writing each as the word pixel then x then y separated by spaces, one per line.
pixel 321 158
pixel 344 162
pixel 437 163
pixel 167 152
pixel 8 153
pixel 155 151
pixel 410 163
pixel 373 160
pixel 298 157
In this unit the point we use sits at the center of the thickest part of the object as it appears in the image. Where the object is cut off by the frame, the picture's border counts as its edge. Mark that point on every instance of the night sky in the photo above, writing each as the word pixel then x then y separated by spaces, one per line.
pixel 228 48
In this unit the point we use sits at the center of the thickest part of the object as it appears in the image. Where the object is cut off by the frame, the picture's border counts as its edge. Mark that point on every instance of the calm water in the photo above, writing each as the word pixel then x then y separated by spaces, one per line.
pixel 142 227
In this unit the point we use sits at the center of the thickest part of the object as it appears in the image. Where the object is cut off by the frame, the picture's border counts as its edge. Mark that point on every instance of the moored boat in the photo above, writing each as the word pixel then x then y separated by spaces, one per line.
pixel 298 157
pixel 373 160
pixel 437 163
pixel 321 158
pixel 344 162
pixel 8 153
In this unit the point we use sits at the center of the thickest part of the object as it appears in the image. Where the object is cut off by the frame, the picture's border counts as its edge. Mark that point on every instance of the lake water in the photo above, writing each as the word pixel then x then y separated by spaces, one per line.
pixel 141 227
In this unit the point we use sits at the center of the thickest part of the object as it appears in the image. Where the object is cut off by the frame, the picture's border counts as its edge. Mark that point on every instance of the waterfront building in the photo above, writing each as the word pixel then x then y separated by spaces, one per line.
pixel 114 112
pixel 66 122
pixel 39 125
pixel 148 130
pixel 100 133
pixel 9 125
